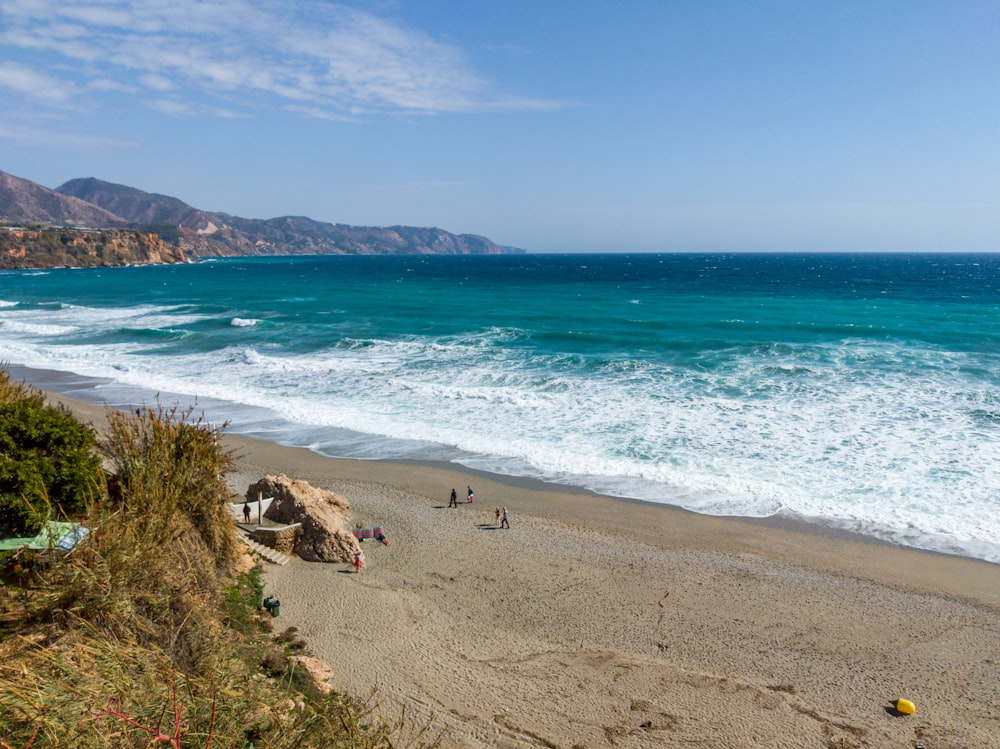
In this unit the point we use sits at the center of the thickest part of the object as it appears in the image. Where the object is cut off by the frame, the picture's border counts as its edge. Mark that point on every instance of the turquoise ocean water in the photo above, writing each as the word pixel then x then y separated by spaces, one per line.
pixel 857 391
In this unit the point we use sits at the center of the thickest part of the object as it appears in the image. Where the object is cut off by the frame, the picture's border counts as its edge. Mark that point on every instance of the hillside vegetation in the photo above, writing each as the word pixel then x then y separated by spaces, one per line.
pixel 146 634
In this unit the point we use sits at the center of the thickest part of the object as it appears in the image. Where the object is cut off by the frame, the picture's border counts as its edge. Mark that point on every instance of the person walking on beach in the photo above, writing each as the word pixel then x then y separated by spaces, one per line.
pixel 469 499
pixel 506 520
pixel 246 512
pixel 453 502
pixel 498 517
pixel 359 561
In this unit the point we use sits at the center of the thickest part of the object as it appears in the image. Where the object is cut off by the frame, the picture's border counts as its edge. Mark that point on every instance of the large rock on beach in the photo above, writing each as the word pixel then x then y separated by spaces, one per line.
pixel 324 516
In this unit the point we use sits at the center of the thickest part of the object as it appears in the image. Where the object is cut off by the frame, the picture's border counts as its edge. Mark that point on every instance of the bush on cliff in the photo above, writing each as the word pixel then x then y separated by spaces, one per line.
pixel 48 467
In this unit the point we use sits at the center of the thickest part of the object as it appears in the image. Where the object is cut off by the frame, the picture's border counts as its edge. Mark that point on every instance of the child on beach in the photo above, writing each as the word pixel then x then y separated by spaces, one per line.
pixel 470 495
pixel 359 561
pixel 498 517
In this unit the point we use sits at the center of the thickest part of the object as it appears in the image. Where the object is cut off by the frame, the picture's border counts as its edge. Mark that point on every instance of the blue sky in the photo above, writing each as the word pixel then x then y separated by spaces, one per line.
pixel 556 126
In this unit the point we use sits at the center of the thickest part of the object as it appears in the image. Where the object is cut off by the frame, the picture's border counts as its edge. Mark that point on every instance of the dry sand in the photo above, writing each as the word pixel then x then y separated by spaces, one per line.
pixel 596 622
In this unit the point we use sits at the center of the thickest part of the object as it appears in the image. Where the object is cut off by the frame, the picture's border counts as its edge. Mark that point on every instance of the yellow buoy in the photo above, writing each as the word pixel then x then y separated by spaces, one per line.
pixel 905 707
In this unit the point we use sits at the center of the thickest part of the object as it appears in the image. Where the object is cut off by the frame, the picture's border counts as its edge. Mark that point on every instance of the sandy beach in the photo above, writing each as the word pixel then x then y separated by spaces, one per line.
pixel 596 622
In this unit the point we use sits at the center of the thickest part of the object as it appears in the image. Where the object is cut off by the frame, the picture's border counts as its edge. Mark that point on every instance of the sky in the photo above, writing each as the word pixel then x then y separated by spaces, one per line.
pixel 550 125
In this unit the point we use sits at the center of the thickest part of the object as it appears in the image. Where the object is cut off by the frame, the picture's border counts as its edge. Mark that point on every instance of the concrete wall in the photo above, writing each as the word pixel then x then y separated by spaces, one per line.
pixel 281 539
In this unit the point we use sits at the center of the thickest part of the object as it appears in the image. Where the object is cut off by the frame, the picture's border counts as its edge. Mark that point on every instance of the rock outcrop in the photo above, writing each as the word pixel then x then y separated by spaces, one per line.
pixel 325 534
pixel 38 247
pixel 319 672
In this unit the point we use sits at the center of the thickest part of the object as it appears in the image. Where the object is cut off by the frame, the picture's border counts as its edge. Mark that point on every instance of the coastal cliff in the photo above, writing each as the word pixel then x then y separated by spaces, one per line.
pixel 50 247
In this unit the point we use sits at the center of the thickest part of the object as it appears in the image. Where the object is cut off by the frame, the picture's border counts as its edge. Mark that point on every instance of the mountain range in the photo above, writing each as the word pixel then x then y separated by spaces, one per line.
pixel 94 204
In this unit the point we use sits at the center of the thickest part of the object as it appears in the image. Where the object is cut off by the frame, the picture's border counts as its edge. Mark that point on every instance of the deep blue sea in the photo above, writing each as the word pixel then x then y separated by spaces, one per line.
pixel 857 391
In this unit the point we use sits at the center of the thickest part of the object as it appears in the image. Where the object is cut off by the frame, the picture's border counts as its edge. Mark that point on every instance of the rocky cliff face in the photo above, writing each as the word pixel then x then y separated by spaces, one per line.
pixel 82 248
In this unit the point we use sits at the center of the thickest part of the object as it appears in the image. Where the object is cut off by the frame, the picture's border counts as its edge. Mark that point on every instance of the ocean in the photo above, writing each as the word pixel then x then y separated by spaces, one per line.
pixel 859 392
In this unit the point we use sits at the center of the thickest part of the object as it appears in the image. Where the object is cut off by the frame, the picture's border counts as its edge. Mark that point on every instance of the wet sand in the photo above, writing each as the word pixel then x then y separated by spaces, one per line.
pixel 596 622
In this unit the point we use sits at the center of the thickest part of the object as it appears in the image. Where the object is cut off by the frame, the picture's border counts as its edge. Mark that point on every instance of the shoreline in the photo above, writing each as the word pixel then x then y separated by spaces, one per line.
pixel 53 378
pixel 599 622
pixel 659 525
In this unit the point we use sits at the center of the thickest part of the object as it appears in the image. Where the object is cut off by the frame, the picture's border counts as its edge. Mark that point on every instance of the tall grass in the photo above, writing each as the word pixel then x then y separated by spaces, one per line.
pixel 165 465
pixel 12 390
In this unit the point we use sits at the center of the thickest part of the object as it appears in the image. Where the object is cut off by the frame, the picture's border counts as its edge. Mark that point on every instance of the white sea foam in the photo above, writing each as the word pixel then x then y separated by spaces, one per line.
pixel 68 318
pixel 826 433
pixel 12 326
pixel 242 322
pixel 717 457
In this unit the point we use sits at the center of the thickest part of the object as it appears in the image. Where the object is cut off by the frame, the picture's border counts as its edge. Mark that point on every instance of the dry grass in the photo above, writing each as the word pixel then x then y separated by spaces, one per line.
pixel 11 390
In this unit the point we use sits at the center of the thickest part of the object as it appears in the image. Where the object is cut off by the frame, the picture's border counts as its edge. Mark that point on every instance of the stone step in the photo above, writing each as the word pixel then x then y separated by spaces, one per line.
pixel 266 552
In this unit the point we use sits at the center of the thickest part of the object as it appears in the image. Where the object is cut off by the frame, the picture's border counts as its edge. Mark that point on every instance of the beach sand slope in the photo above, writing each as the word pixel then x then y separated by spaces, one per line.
pixel 591 622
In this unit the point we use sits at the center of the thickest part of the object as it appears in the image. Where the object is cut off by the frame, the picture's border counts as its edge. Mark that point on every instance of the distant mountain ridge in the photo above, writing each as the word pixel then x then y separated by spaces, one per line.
pixel 27 202
pixel 209 234
pixel 94 203
pixel 132 204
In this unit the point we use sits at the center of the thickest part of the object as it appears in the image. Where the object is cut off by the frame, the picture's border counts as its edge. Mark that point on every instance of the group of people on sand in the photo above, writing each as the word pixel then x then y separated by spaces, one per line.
pixel 453 501
pixel 503 516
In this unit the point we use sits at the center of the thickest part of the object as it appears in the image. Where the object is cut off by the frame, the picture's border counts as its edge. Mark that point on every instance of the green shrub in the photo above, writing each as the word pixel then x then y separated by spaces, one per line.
pixel 242 602
pixel 47 460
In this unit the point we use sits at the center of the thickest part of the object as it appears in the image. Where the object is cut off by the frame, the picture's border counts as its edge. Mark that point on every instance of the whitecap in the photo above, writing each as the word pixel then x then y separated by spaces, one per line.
pixel 28 328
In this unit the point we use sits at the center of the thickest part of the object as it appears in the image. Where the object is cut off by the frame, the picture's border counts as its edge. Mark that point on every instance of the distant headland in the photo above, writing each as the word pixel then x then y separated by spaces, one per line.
pixel 89 222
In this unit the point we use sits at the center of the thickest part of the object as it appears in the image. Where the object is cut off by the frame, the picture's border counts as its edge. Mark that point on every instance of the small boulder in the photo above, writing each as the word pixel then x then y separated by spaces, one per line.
pixel 320 673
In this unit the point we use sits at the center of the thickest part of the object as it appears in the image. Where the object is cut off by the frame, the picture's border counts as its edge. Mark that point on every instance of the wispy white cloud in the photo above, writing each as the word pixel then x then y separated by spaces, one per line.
pixel 228 114
pixel 312 57
pixel 34 84
pixel 106 84
pixel 418 185
pixel 65 139
pixel 171 106
pixel 317 113
pixel 157 82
